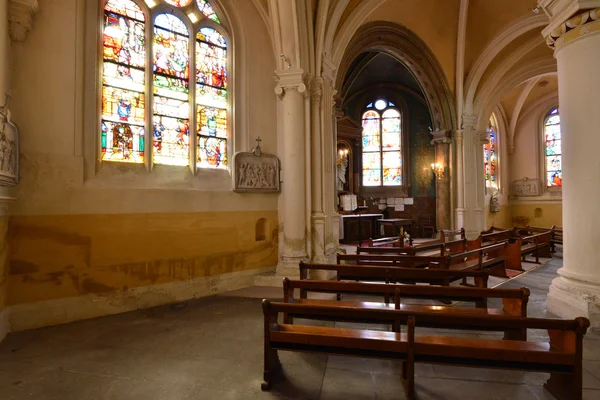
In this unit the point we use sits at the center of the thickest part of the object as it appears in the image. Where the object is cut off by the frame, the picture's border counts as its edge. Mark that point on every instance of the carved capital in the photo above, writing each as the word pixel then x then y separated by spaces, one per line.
pixel 290 80
pixel 583 24
pixel 441 137
pixel 316 90
pixel 328 71
pixel 483 137
pixel 458 135
pixel 20 17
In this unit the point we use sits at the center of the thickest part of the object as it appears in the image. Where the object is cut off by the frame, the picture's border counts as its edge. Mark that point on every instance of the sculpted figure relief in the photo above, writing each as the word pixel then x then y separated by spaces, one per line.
pixel 256 172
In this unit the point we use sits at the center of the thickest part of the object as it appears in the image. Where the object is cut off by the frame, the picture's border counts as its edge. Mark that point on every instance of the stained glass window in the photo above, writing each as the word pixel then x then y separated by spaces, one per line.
pixel 382 145
pixel 126 75
pixel 206 9
pixel 490 155
pixel 211 98
pixel 552 136
pixel 179 3
pixel 171 91
pixel 123 82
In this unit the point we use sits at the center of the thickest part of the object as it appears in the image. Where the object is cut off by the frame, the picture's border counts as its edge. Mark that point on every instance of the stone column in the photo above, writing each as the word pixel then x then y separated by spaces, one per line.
pixel 291 90
pixel 316 162
pixel 469 181
pixel 576 292
pixel 441 141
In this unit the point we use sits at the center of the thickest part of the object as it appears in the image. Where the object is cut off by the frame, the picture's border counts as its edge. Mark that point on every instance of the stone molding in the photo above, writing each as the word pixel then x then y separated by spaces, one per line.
pixel 558 11
pixel 575 27
pixel 441 137
pixel 20 17
pixel 291 79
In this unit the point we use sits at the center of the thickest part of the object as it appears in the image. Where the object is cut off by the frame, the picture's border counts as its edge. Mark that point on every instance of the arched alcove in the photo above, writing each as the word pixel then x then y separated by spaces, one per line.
pixel 405 46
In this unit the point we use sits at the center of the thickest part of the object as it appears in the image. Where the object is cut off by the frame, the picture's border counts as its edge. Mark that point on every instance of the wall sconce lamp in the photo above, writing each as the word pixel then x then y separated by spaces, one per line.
pixel 342 154
pixel 438 170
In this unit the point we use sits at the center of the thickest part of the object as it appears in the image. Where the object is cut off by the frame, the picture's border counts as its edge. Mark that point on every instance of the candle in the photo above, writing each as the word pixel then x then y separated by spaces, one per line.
pixel 364 203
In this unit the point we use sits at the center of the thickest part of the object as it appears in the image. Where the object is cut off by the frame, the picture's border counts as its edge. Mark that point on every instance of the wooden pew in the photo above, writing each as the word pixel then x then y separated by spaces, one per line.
pixel 388 260
pixel 449 234
pixel 521 244
pixel 514 300
pixel 337 341
pixel 442 248
pixel 463 261
pixel 395 275
pixel 561 356
pixel 557 236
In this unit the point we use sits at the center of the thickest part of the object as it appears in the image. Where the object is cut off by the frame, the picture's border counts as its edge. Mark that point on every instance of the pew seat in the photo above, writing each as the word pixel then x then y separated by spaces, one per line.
pixel 561 356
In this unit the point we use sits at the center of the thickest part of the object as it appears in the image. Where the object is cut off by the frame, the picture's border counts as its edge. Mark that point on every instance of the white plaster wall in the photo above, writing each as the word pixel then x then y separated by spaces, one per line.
pixel 57 178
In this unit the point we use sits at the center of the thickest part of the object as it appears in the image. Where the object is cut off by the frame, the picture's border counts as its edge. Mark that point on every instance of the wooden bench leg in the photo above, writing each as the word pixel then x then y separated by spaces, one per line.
pixel 408 366
pixel 272 367
pixel 565 386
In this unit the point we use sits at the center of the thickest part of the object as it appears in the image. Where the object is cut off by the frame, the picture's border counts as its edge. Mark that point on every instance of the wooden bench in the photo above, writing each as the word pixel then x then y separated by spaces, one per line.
pixel 561 356
pixel 335 341
pixel 464 261
pixel 442 248
pixel 446 234
pixel 557 236
pixel 514 300
pixel 396 275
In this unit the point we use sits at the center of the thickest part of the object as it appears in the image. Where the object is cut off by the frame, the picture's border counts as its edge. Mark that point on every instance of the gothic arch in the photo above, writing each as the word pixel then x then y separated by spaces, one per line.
pixel 404 45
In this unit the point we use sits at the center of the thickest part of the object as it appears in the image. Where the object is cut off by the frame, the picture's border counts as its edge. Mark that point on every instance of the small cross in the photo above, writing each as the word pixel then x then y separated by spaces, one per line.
pixel 257 149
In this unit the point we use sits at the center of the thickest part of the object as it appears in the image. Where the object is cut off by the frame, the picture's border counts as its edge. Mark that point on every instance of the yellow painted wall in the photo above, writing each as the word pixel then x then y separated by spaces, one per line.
pixel 501 219
pixel 551 214
pixel 85 240
pixel 54 257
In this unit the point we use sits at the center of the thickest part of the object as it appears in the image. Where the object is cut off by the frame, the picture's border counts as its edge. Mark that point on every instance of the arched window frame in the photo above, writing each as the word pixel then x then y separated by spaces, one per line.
pixel 493 126
pixel 150 13
pixel 398 105
pixel 543 157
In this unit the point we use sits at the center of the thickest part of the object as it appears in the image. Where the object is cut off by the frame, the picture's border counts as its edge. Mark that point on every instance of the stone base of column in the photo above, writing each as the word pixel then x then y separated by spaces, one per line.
pixel 571 298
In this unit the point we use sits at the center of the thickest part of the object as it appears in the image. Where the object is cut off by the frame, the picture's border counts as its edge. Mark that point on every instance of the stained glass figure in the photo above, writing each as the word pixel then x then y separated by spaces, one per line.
pixel 490 155
pixel 206 9
pixel 382 146
pixel 179 3
pixel 171 125
pixel 553 140
pixel 123 82
pixel 211 98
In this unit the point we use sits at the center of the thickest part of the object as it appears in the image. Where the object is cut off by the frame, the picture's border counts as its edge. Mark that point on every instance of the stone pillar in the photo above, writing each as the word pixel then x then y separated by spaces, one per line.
pixel 316 162
pixel 469 210
pixel 576 292
pixel 441 141
pixel 291 90
pixel 459 212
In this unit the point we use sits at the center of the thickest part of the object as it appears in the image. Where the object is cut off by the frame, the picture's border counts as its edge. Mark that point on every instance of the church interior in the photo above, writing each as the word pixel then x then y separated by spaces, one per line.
pixel 299 199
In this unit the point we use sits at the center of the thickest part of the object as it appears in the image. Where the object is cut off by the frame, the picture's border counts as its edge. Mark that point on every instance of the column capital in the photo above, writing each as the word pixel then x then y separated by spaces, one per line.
pixel 441 137
pixel 20 17
pixel 316 89
pixel 569 20
pixel 483 137
pixel 293 79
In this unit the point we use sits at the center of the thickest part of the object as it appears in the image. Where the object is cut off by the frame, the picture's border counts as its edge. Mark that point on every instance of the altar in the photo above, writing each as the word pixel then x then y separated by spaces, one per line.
pixel 349 226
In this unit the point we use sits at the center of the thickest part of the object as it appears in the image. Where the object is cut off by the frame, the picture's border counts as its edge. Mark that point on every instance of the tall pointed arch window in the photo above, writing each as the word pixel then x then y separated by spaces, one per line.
pixel 490 155
pixel 382 145
pixel 165 98
pixel 553 154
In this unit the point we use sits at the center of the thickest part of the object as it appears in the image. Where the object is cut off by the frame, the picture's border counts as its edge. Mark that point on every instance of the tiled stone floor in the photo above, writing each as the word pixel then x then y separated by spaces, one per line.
pixel 212 349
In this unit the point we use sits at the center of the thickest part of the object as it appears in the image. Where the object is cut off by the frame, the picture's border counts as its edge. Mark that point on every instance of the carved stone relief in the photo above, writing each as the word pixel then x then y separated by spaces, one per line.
pixel 9 148
pixel 255 172
pixel 526 187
